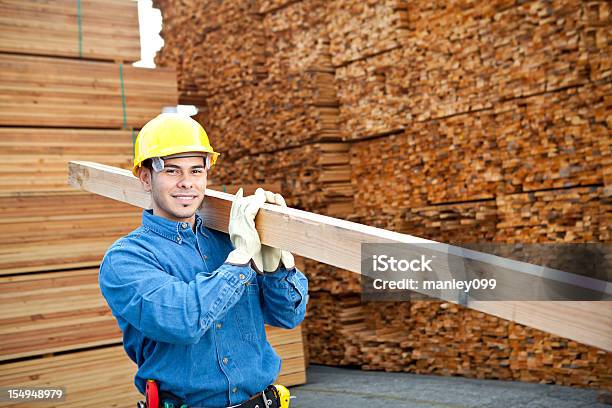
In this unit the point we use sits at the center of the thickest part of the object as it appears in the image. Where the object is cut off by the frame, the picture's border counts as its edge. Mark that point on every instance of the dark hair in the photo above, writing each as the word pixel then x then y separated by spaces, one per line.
pixel 148 164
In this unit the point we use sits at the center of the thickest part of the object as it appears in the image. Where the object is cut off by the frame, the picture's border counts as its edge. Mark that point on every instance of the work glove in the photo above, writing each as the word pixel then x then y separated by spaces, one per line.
pixel 272 257
pixel 242 230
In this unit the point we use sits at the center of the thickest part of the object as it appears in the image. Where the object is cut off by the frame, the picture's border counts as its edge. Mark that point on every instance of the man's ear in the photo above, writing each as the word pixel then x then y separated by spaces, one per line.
pixel 144 174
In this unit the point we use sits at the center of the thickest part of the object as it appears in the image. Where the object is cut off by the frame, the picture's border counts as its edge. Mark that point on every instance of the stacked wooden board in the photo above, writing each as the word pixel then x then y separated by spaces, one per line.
pixel 321 183
pixel 468 121
pixel 252 120
pixel 45 154
pixel 265 79
pixel 52 231
pixel 54 109
pixel 105 376
pixel 359 30
pixel 422 337
pixel 464 58
pixel 197 43
pixel 466 158
pixel 77 93
pixel 50 312
pixel 63 310
pixel 566 215
pixel 71 28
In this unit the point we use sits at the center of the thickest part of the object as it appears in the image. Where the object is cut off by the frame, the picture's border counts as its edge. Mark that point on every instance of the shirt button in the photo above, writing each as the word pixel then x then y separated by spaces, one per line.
pixel 219 325
pixel 205 257
pixel 234 390
pixel 184 225
pixel 225 360
pixel 242 276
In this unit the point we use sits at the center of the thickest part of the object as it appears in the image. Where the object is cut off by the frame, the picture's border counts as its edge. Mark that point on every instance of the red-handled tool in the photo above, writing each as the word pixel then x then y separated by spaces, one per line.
pixel 152 394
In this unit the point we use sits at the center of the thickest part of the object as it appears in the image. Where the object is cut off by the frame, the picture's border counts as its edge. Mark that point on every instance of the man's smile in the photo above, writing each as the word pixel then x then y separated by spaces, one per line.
pixel 185 198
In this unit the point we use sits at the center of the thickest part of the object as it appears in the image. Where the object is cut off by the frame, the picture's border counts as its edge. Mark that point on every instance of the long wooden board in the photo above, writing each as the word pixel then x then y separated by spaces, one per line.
pixel 96 29
pixel 338 243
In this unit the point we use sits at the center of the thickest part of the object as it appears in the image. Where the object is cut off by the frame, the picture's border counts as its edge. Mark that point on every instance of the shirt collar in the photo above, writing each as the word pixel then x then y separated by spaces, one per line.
pixel 167 228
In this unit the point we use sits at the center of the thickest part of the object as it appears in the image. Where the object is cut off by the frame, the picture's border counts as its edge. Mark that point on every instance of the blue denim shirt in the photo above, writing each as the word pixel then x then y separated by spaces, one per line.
pixel 192 322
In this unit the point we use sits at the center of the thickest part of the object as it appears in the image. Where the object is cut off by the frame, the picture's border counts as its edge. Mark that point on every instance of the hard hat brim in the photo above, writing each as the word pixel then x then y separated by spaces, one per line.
pixel 170 153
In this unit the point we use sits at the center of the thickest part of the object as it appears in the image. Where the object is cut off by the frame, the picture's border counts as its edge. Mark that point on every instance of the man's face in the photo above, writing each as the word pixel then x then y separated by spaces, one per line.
pixel 178 190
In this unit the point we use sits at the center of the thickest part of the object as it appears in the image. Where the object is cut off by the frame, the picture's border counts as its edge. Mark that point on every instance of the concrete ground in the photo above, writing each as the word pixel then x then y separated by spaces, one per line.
pixel 330 387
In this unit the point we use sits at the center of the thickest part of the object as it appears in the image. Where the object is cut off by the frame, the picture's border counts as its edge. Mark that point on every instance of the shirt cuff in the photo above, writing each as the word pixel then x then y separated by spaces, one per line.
pixel 235 274
pixel 291 279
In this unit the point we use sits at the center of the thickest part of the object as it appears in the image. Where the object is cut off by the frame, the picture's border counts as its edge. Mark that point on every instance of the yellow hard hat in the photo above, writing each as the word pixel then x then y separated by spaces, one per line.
pixel 284 395
pixel 168 134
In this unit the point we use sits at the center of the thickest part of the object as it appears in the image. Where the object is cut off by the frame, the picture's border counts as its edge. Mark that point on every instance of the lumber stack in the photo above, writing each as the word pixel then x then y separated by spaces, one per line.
pixel 459 223
pixel 214 48
pixel 296 38
pixel 455 178
pixel 497 349
pixel 461 58
pixel 331 326
pixel 437 162
pixel 285 114
pixel 71 29
pixel 573 139
pixel 54 110
pixel 321 183
pixel 112 381
pixel 79 93
pixel 432 337
pixel 49 312
pixel 359 30
pixel 595 18
pixel 468 122
pixel 478 155
pixel 45 154
pixel 264 80
pixel 53 231
pixel 564 215
pixel 325 278
pixel 178 50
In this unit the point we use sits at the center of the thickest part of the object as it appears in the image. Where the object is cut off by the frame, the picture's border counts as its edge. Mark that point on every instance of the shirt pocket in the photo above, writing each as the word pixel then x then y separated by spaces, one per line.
pixel 248 313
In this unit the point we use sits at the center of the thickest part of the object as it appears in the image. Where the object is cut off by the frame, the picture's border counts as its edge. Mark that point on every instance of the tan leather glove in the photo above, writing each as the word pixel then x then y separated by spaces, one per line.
pixel 242 230
pixel 272 257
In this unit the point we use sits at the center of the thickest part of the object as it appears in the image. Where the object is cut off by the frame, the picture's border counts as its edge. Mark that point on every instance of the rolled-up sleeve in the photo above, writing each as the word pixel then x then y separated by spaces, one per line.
pixel 285 296
pixel 161 306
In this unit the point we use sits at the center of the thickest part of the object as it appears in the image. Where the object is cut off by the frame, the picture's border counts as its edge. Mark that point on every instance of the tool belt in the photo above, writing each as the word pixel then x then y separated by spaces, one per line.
pixel 269 398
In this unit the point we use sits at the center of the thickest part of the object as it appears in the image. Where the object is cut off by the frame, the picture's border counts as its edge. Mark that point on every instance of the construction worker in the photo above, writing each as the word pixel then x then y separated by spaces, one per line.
pixel 191 301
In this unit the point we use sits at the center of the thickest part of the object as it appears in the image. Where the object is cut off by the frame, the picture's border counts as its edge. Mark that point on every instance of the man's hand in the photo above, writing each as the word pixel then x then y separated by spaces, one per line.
pixel 242 229
pixel 272 257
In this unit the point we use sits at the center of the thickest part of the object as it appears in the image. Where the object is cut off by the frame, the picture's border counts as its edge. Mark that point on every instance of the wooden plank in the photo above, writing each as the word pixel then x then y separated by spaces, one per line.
pixel 338 243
